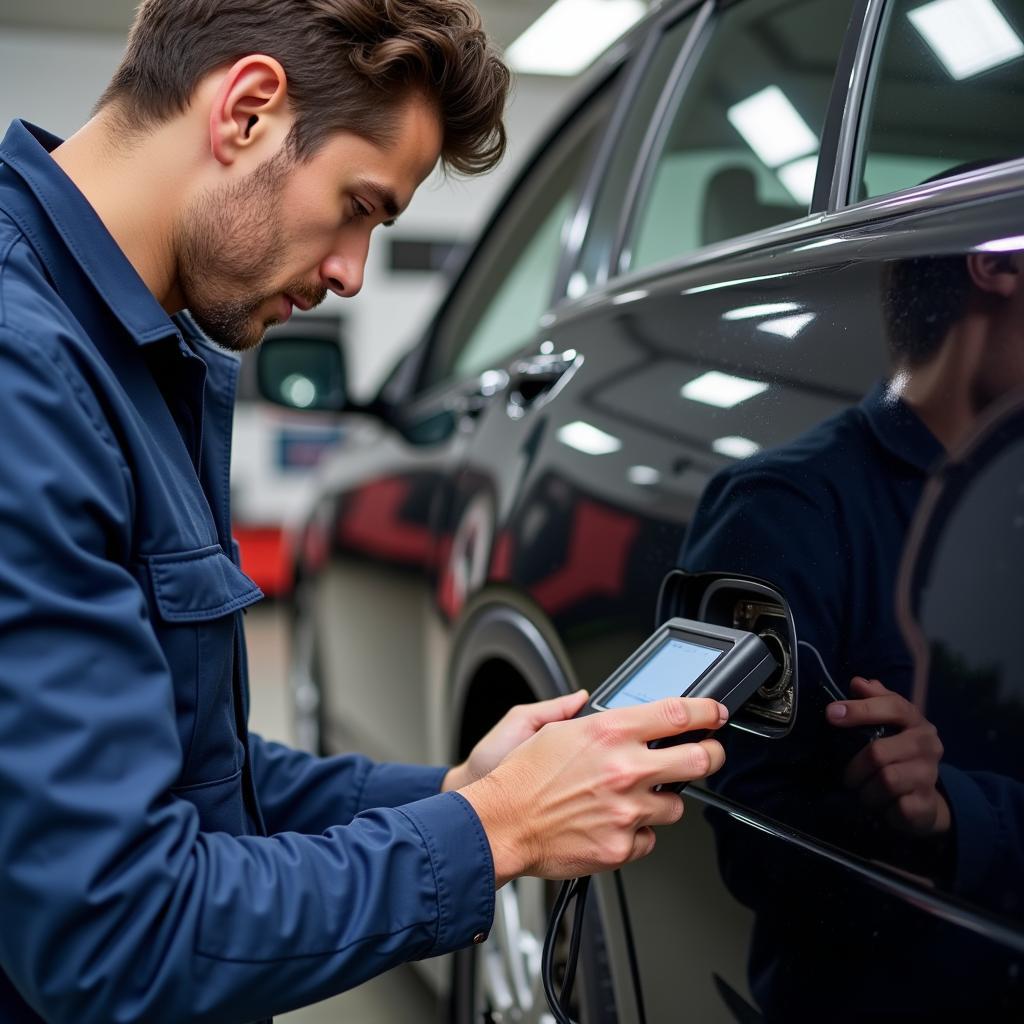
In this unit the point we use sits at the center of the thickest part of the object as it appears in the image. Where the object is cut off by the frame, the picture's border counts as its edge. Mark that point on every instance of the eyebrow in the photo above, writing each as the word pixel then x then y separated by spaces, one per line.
pixel 384 196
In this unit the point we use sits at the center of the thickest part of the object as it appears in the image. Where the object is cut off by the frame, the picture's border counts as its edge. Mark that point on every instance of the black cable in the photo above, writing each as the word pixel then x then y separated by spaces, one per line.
pixel 575 939
pixel 575 888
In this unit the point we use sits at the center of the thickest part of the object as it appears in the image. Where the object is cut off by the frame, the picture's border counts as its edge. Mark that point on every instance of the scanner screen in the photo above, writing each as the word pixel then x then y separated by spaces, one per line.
pixel 673 668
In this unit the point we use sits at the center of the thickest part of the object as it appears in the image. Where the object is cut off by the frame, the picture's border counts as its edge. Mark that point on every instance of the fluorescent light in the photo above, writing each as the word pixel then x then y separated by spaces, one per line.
pixel 765 309
pixel 722 389
pixel 588 439
pixel 643 476
pixel 627 297
pixel 771 127
pixel 968 36
pixel 1014 244
pixel 570 34
pixel 736 447
pixel 798 178
pixel 787 326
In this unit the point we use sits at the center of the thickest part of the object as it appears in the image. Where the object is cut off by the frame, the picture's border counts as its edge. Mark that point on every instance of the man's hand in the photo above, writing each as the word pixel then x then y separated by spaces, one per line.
pixel 517 726
pixel 578 796
pixel 897 774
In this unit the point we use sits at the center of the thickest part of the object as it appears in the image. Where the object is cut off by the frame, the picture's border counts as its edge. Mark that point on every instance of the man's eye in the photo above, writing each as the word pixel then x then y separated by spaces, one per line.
pixel 361 209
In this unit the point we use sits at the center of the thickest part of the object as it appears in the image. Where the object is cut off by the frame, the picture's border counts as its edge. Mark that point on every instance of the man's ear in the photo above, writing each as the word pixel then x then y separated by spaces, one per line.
pixel 250 111
pixel 998 273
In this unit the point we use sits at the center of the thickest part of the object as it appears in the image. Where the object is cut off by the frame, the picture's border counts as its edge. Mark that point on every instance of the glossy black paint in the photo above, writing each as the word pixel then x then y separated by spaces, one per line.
pixel 462 504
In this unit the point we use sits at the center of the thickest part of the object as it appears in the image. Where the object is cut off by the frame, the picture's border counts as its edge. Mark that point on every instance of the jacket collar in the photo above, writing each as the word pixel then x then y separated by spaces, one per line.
pixel 87 243
pixel 899 429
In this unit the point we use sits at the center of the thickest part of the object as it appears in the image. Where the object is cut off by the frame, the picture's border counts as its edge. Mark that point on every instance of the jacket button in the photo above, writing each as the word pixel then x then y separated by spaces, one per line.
pixel 479 937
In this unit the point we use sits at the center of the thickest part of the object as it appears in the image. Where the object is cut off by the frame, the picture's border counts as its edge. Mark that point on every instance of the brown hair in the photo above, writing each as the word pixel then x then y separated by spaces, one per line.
pixel 350 64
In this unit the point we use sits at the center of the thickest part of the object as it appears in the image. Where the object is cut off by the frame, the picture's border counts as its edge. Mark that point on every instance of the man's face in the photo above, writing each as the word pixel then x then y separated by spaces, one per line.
pixel 290 232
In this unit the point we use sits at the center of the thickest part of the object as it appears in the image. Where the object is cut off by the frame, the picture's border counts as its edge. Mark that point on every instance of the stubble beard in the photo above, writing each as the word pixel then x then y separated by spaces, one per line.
pixel 228 245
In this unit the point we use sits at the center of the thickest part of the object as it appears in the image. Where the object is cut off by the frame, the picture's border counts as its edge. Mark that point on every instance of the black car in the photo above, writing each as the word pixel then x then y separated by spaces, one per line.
pixel 710 358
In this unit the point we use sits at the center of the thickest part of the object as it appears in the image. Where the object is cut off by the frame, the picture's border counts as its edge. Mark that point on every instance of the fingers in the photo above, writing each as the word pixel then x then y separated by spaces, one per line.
pixel 903 746
pixel 890 709
pixel 659 720
pixel 556 710
pixel 643 844
pixel 686 762
pixel 898 780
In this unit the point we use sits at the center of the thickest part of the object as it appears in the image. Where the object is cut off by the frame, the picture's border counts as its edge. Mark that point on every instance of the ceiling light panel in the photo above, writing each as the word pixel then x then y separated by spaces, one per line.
pixel 722 390
pixel 968 36
pixel 736 447
pixel 772 127
pixel 787 326
pixel 764 309
pixel 571 34
pixel 586 438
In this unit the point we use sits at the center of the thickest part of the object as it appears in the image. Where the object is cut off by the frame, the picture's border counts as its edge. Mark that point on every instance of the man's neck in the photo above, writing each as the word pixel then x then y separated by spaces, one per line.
pixel 134 190
pixel 940 391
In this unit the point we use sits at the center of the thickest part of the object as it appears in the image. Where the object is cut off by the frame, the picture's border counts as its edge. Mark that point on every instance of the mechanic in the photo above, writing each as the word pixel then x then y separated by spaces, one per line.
pixel 157 861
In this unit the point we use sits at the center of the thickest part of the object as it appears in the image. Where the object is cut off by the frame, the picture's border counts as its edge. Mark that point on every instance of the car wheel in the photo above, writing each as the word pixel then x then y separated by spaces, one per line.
pixel 499 982
pixel 304 676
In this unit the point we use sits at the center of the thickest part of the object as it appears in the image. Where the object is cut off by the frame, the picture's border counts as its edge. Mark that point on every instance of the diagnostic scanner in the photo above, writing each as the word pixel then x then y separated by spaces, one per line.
pixel 687 658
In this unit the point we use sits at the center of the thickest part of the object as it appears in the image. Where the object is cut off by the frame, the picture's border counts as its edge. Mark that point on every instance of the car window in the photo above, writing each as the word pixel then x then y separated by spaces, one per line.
pixel 500 301
pixel 740 148
pixel 607 213
pixel 946 93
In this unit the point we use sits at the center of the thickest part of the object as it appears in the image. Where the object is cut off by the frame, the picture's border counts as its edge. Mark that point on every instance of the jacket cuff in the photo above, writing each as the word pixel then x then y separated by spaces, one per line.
pixel 460 855
pixel 392 785
pixel 975 829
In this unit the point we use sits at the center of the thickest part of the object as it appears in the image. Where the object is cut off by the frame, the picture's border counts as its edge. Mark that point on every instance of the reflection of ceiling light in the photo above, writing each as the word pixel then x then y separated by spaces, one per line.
pixel 627 297
pixel 567 37
pixel 722 389
pixel 1014 244
pixel 820 244
pixel 787 326
pixel 798 177
pixel 771 127
pixel 578 285
pixel 643 476
pixel 968 36
pixel 729 284
pixel 736 447
pixel 765 309
pixel 588 439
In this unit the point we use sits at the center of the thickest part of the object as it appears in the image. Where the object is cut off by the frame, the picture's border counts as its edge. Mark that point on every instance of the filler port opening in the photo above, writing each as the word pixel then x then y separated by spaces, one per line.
pixel 757 607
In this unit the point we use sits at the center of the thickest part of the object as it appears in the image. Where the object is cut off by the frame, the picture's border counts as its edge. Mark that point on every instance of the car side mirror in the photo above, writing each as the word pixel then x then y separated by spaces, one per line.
pixel 303 373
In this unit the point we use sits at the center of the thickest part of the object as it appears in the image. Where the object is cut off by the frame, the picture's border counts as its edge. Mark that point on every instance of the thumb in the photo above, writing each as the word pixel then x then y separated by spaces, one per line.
pixel 558 709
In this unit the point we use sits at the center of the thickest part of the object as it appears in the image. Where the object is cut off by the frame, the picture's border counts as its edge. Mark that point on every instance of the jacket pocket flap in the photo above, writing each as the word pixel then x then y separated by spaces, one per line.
pixel 193 586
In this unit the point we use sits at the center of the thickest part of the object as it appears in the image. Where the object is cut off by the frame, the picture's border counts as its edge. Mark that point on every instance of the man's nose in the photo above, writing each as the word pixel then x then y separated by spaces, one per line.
pixel 342 271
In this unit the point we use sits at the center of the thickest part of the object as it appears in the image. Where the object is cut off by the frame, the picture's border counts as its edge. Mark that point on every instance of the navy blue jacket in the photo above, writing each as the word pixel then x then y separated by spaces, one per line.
pixel 825 518
pixel 157 861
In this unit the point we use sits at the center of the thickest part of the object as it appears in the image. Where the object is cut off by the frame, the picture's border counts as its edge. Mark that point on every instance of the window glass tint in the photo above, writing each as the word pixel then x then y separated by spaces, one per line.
pixel 501 300
pixel 946 95
pixel 607 215
pixel 740 151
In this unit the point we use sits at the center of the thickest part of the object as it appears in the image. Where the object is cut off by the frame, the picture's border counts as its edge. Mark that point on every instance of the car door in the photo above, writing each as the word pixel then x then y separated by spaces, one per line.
pixel 770 405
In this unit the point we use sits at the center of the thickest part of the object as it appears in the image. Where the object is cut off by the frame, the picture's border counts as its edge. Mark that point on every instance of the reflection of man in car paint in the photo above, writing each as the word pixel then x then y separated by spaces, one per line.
pixel 824 518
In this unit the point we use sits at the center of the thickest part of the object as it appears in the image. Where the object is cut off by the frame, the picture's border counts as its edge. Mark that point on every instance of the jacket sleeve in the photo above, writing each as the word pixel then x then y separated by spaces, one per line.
pixel 302 793
pixel 115 906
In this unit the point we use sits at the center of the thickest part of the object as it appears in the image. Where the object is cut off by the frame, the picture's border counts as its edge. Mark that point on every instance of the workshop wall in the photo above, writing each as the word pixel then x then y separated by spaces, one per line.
pixel 53 78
